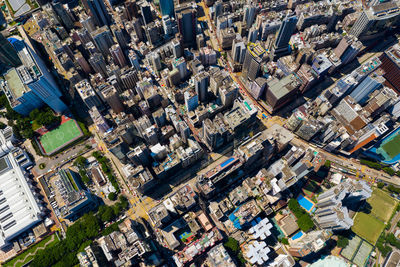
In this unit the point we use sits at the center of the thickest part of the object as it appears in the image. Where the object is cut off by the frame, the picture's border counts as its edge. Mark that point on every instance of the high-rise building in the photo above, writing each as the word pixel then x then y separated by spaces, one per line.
pixel 391 66
pixel 186 17
pixel 167 7
pixel 168 25
pixel 348 49
pixel 134 60
pixel 238 50
pixel 8 54
pixel 88 95
pixel 129 78
pixel 21 206
pixel 281 45
pixel 132 9
pixel 249 15
pixel 155 60
pixel 201 83
pixel 118 55
pixel 191 100
pixel 120 36
pixel 138 29
pixel 31 85
pixel 180 64
pixel 257 88
pixel 111 96
pixel 98 64
pixel 146 13
pixel 98 11
pixel 87 22
pixel 331 213
pixel 375 20
pixel 367 86
pixel 252 61
pixel 280 92
pixel 82 62
pixel 176 48
pixel 103 40
pixel 63 15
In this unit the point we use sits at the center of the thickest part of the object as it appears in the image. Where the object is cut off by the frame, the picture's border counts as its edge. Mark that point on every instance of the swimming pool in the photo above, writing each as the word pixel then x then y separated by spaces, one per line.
pixel 297 235
pixel 305 203
pixel 226 162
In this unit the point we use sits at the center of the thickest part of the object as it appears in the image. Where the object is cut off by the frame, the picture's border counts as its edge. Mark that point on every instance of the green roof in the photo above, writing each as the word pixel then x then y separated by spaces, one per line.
pixel 14 83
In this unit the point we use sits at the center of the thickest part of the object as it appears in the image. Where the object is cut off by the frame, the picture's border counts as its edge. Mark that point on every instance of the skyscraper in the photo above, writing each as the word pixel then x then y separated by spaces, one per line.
pixel 281 45
pixel 348 49
pixel 249 15
pixel 63 15
pixel 98 64
pixel 186 17
pixel 103 40
pixel 252 61
pixel 118 55
pixel 8 54
pixel 238 50
pixel 167 7
pixel 391 66
pixel 201 83
pixel 98 11
pixel 120 36
pixel 146 13
pixel 31 85
pixel 375 20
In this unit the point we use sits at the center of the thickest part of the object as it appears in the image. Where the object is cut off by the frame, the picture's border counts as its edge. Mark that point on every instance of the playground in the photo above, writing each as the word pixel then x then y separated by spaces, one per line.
pixel 66 133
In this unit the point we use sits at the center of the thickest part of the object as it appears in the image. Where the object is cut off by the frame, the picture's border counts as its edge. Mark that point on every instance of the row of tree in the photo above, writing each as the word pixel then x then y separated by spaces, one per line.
pixel 80 163
pixel 105 167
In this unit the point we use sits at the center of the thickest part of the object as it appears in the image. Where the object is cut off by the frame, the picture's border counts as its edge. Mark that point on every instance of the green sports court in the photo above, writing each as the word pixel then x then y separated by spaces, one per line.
pixel 60 137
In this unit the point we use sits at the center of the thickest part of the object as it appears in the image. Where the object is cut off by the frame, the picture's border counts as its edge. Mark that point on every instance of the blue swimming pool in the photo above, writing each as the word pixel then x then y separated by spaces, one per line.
pixel 297 235
pixel 305 203
pixel 226 162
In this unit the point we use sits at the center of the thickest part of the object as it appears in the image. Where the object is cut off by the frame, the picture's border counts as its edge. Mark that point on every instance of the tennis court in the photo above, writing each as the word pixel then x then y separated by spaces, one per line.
pixel 61 136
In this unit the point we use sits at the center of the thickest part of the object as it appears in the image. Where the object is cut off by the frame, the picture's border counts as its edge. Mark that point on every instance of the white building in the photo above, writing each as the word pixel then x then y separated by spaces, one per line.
pixel 19 205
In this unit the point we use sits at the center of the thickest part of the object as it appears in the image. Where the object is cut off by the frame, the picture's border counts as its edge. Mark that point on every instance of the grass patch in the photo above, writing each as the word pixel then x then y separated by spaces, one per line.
pixel 72 181
pixel 31 250
pixel 310 188
pixel 382 205
pixel 392 148
pixel 367 227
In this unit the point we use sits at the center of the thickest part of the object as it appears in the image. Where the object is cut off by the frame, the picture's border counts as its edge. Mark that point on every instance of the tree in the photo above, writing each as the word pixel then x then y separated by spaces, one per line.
pixel 285 241
pixel 305 223
pixel 389 170
pixel 34 114
pixel 106 213
pixel 380 185
pixel 327 164
pixel 112 196
pixel 46 117
pixel 97 154
pixel 232 245
pixel 342 241
pixel 16 132
pixel 80 162
pixel 3 100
